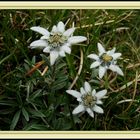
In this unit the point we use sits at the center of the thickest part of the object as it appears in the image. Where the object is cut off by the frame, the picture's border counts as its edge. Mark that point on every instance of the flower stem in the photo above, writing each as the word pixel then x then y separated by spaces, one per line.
pixel 71 115
pixel 106 81
pixel 53 68
pixel 53 72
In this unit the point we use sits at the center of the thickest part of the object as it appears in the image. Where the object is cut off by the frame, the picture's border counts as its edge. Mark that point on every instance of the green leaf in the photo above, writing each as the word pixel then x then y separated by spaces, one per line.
pixel 35 94
pixel 62 124
pixel 35 126
pixel 34 60
pixel 123 116
pixel 76 119
pixel 34 81
pixel 26 67
pixel 47 61
pixel 7 57
pixel 15 120
pixel 60 66
pixel 36 113
pixel 8 103
pixel 7 111
pixel 60 83
pixel 25 114
pixel 71 66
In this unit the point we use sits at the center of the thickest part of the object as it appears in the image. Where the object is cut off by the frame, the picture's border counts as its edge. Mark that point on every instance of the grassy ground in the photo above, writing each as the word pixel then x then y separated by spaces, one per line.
pixel 35 102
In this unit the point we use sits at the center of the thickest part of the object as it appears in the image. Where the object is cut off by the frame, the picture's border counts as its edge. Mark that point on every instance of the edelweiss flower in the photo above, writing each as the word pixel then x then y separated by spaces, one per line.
pixel 88 99
pixel 57 42
pixel 105 60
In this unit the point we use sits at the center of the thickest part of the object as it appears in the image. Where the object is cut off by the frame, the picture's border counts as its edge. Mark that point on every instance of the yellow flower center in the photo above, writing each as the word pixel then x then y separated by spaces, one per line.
pixel 106 57
pixel 89 100
pixel 57 40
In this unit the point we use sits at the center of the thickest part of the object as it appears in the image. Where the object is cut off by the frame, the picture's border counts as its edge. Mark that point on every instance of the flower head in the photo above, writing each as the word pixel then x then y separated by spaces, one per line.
pixel 88 99
pixel 105 60
pixel 57 42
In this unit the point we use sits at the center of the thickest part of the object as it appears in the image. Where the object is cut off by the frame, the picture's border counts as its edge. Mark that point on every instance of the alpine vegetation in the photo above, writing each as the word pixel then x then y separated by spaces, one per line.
pixel 56 74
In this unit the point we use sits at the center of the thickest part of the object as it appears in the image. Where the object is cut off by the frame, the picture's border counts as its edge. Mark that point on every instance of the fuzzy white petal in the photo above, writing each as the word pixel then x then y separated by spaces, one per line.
pixel 69 32
pixel 61 27
pixel 46 49
pixel 119 71
pixel 116 55
pixel 82 91
pixel 101 93
pixel 102 71
pixel 90 112
pixel 95 64
pixel 93 92
pixel 76 39
pixel 36 47
pixel 87 87
pixel 112 67
pixel 114 62
pixel 98 109
pixel 99 102
pixel 101 49
pixel 78 109
pixel 53 56
pixel 93 56
pixel 62 53
pixel 115 68
pixel 111 52
pixel 66 48
pixel 54 29
pixel 38 43
pixel 79 99
pixel 74 93
pixel 40 30
pixel 44 37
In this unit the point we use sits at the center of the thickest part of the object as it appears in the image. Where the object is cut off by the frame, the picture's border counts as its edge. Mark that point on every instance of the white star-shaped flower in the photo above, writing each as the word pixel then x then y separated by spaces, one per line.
pixel 57 42
pixel 105 60
pixel 88 99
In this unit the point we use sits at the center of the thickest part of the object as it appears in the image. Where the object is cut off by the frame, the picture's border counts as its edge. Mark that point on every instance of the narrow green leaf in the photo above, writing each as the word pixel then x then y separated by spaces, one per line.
pixel 71 66
pixel 15 120
pixel 36 94
pixel 58 86
pixel 34 60
pixel 60 82
pixel 36 113
pixel 8 103
pixel 34 126
pixel 7 57
pixel 7 111
pixel 25 114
